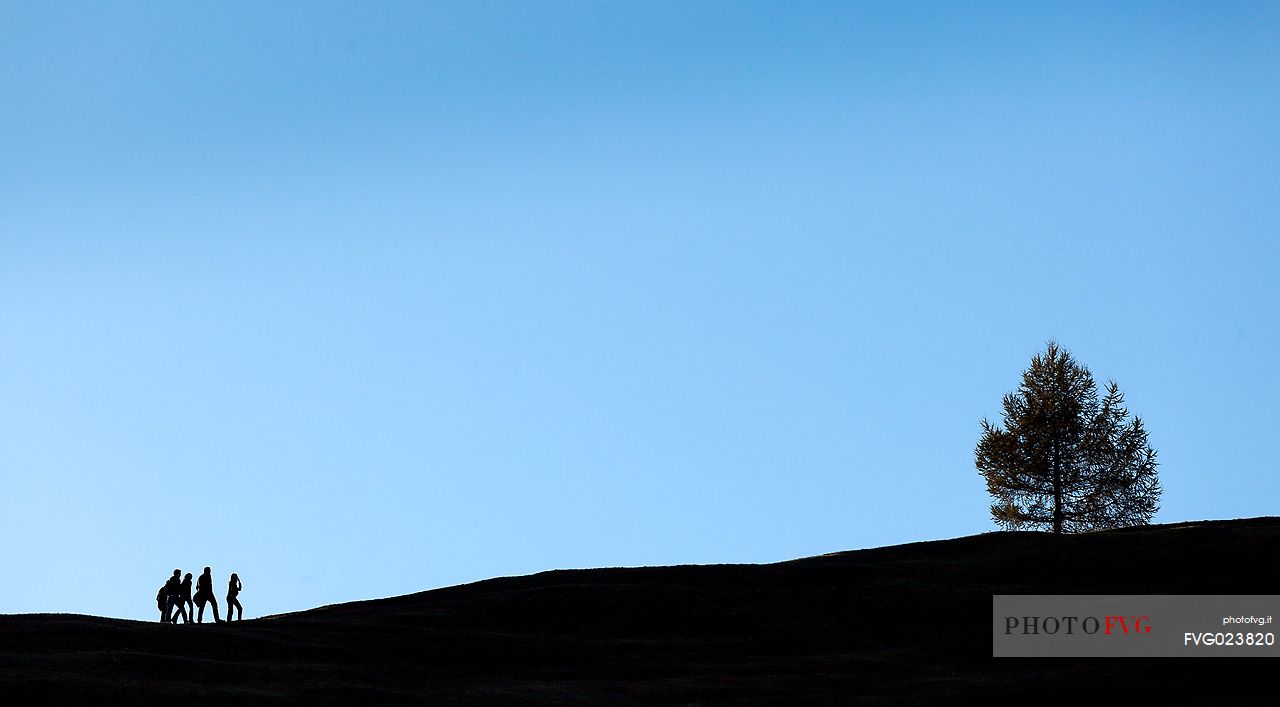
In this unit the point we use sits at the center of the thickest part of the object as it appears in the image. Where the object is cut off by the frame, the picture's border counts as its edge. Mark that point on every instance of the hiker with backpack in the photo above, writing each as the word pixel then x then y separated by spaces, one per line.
pixel 204 594
pixel 173 597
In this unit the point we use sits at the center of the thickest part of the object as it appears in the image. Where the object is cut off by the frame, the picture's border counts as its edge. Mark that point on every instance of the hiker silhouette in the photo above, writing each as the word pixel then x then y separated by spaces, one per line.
pixel 184 596
pixel 233 590
pixel 204 594
pixel 173 597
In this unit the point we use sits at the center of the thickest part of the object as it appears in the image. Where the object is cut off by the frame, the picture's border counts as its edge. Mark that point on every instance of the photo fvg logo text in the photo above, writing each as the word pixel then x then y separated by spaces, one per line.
pixel 1068 625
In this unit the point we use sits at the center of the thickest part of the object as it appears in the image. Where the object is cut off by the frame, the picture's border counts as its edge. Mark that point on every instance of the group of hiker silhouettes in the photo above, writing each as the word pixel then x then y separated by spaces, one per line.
pixel 176 594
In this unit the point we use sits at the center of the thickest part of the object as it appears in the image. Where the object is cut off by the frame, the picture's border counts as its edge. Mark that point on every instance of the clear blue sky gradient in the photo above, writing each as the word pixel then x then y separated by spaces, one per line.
pixel 364 299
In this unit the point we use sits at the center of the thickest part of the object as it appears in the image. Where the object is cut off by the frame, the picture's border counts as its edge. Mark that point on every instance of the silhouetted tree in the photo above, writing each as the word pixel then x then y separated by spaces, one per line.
pixel 1065 459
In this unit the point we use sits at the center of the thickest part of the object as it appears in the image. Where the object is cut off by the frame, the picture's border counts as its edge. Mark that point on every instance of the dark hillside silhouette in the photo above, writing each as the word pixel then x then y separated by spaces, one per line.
pixel 908 624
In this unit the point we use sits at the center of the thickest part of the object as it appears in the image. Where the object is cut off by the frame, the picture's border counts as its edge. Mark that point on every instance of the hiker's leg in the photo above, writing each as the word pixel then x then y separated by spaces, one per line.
pixel 215 609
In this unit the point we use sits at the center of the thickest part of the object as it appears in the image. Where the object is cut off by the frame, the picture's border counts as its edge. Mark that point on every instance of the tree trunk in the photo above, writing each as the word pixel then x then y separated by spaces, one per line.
pixel 1057 491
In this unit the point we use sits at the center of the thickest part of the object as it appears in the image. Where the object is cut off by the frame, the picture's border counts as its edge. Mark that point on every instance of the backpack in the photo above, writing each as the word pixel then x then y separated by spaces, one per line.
pixel 160 599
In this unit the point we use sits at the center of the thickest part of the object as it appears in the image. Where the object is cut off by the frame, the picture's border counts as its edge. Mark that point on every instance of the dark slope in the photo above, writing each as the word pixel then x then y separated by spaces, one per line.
pixel 906 625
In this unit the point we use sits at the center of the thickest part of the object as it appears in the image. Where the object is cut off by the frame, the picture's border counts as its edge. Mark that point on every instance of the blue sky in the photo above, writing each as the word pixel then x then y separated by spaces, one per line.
pixel 363 299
